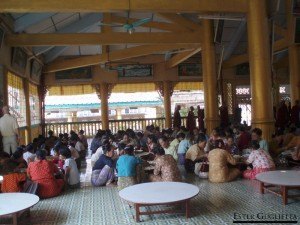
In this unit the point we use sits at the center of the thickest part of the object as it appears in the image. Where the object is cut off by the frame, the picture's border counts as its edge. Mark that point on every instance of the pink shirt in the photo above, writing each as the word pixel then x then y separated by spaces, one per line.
pixel 261 159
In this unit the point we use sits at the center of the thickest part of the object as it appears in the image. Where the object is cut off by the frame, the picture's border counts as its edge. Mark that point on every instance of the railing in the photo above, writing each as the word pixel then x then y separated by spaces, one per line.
pixel 91 127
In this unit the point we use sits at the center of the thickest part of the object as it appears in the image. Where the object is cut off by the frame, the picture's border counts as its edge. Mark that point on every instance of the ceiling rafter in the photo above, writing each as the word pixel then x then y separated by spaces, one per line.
pixel 180 20
pixel 167 6
pixel 55 39
pixel 78 26
pixel 30 19
pixel 138 51
pixel 239 59
pixel 181 57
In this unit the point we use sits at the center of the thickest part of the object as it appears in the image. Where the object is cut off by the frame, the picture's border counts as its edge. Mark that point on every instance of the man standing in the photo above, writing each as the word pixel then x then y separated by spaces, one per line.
pixel 9 131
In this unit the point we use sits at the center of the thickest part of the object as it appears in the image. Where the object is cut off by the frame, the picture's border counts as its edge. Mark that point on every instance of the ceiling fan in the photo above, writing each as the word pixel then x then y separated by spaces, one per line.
pixel 129 27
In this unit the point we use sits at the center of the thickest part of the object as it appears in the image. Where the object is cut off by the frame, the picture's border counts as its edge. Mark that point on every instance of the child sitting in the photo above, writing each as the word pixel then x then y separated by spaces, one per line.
pixel 260 160
pixel 71 172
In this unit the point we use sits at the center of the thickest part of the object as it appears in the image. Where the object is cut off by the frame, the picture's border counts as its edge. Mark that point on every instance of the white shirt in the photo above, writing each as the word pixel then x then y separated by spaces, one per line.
pixel 96 156
pixel 74 152
pixel 8 125
pixel 28 157
pixel 79 146
pixel 74 174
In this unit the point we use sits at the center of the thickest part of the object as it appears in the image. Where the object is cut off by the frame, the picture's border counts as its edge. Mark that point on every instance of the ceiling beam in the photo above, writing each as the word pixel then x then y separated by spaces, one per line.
pixel 112 56
pixel 152 24
pixel 180 20
pixel 239 59
pixel 181 57
pixel 168 6
pixel 106 29
pixel 78 26
pixel 101 39
pixel 237 35
pixel 30 19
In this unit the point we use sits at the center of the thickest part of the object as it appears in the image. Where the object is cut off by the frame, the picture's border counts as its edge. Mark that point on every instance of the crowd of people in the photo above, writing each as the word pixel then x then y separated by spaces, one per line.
pixel 129 157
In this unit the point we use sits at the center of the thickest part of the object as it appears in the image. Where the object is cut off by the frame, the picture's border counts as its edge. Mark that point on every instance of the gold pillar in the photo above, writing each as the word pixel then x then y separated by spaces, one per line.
pixel 294 55
pixel 104 105
pixel 167 92
pixel 260 67
pixel 28 115
pixel 209 77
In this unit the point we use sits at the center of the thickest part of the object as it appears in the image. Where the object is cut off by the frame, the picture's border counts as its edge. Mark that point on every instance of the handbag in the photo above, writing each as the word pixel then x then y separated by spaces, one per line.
pixel 202 168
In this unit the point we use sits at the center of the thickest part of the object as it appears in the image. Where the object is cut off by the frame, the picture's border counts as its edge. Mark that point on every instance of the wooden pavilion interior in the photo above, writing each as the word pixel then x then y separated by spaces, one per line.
pixel 75 47
pixel 257 36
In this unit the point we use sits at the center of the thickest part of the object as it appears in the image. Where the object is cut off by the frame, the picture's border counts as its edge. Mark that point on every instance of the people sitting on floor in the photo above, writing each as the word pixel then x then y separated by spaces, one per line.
pixel 13 182
pixel 43 172
pixel 128 168
pixel 28 153
pixel 176 141
pixel 141 141
pixel 169 150
pixel 256 135
pixel 104 169
pixel 183 146
pixel 243 138
pixel 218 159
pixel 15 163
pixel 126 140
pixel 96 142
pixel 83 139
pixel 195 153
pixel 50 141
pixel 231 147
pixel 98 153
pixel 151 142
pixel 78 145
pixel 71 173
pixel 260 160
pixel 165 167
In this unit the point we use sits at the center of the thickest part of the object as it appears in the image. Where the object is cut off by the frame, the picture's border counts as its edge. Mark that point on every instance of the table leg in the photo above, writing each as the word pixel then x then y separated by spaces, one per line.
pixel 187 208
pixel 284 194
pixel 137 212
pixel 15 218
pixel 262 188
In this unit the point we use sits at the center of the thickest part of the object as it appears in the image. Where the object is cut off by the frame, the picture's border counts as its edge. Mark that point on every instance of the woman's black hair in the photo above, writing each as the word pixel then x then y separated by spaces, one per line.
pixel 18 154
pixel 29 148
pixel 164 138
pixel 121 146
pixel 158 151
pixel 257 131
pixel 65 151
pixel 180 135
pixel 152 138
pixel 219 143
pixel 129 150
pixel 106 148
pixel 41 154
pixel 255 145
pixel 201 138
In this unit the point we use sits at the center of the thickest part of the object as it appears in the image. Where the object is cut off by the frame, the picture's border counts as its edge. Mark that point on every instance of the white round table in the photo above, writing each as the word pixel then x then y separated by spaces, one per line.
pixel 159 193
pixel 286 179
pixel 13 203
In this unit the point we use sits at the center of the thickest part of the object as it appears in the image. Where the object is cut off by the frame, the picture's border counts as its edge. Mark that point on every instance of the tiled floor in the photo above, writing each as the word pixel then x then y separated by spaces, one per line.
pixel 215 204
